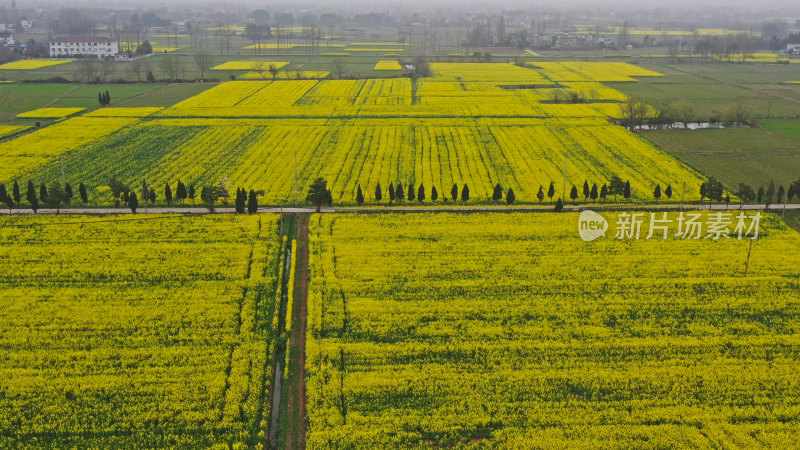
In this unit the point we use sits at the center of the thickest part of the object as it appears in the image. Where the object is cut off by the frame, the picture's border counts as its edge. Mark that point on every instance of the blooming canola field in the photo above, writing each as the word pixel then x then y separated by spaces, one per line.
pixel 477 124
pixel 150 332
pixel 509 331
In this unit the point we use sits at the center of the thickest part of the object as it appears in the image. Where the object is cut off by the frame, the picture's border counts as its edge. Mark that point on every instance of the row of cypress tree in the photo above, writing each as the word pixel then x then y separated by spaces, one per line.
pixel 55 195
pixel 398 193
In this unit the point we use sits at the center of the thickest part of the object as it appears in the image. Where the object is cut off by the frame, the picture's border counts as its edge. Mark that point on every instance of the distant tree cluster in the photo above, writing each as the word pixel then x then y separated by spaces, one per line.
pixel 104 98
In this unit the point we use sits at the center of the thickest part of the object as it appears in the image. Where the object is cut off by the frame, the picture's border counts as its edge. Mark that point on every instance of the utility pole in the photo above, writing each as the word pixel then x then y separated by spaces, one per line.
pixel 564 197
pixel 683 196
pixel 783 214
pixel 747 263
pixel 14 14
pixel 295 177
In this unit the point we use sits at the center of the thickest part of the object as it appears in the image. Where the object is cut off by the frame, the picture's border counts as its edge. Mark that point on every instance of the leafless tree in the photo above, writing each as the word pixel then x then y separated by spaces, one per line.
pixel 169 67
pixel 273 69
pixel 87 69
pixel 261 69
pixel 204 61
pixel 106 68
pixel 340 67
pixel 136 66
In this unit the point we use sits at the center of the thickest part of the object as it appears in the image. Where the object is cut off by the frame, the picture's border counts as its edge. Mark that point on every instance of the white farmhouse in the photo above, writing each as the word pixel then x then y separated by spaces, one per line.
pixel 72 46
pixel 7 40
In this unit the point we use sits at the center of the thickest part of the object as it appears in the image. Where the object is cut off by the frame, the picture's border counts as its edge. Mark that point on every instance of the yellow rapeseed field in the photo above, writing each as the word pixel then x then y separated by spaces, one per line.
pixel 50 113
pixel 508 330
pixel 470 124
pixel 388 65
pixel 32 64
pixel 251 65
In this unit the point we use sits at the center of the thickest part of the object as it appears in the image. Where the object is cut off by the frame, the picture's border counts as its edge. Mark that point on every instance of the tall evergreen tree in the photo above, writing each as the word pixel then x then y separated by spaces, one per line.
pixel 540 194
pixel 770 192
pixel 421 193
pixel 168 194
pixel 411 195
pixel 180 192
pixel 252 202
pixel 627 191
pixel 657 192
pixel 378 193
pixel 43 193
pixel 573 193
pixel 454 192
pixel 551 191
pixel 593 194
pixel 392 194
pixel 359 196
pixel 668 191
pixel 604 192
pixel 434 194
pixel 465 193
pixel 145 192
pixel 510 197
pixel 781 193
pixel 17 196
pixel 586 191
pixel 82 192
pixel 30 195
pixel 133 202
pixel 152 196
pixel 399 194
pixel 241 200
pixel 760 196
pixel 68 194
pixel 497 195
pixel 5 198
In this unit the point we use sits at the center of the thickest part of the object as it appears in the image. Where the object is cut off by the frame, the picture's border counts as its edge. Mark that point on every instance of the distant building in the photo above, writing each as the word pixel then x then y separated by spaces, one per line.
pixel 26 24
pixel 6 40
pixel 793 49
pixel 73 46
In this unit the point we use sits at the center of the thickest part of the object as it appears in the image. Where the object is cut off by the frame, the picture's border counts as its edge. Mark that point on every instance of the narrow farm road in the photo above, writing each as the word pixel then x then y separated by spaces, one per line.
pixel 296 407
pixel 409 208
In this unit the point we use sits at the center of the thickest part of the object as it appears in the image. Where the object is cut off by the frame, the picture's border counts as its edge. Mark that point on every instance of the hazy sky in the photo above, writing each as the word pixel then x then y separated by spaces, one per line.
pixel 378 4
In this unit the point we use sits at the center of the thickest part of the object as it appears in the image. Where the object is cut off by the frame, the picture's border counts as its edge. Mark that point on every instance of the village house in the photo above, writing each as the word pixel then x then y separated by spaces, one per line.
pixel 75 46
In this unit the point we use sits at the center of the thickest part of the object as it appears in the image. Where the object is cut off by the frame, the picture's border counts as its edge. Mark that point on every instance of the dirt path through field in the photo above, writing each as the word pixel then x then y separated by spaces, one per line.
pixel 296 407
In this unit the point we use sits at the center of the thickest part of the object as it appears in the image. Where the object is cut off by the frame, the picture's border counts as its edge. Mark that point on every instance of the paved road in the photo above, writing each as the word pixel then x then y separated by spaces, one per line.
pixel 401 209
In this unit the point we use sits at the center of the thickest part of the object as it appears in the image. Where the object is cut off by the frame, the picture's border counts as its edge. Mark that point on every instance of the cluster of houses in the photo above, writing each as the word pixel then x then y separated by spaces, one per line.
pixel 792 49
pixel 574 41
